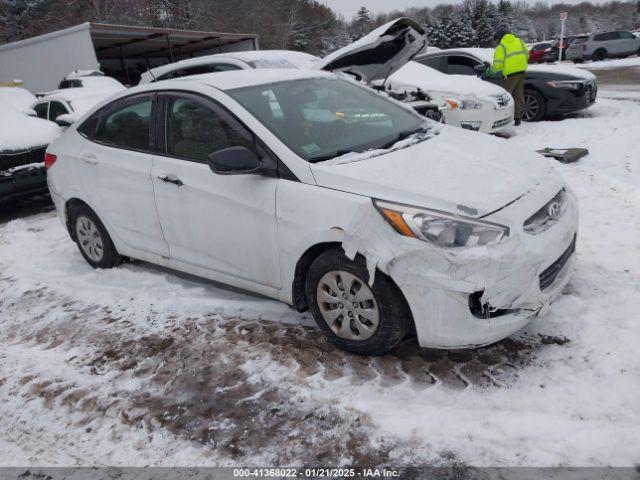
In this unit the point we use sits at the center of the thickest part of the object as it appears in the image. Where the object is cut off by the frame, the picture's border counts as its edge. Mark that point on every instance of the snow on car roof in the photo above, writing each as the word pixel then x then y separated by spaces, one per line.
pixel 414 74
pixel 248 78
pixel 260 59
pixel 19 131
pixel 17 97
pixel 275 58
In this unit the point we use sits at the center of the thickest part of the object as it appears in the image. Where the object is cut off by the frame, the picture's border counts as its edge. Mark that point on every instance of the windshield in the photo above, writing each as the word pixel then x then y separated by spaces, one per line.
pixel 322 118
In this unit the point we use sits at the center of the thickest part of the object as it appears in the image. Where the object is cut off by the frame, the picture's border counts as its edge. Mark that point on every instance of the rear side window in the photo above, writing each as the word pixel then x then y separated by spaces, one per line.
pixel 56 109
pixel 461 65
pixel 126 127
pixel 603 37
pixel 42 110
pixel 193 131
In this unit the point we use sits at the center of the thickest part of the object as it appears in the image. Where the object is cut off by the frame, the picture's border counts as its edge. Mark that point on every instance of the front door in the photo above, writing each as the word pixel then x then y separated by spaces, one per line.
pixel 115 172
pixel 223 223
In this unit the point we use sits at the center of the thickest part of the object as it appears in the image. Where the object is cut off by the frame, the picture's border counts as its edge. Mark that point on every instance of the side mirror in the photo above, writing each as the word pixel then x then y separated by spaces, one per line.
pixel 480 69
pixel 65 120
pixel 234 161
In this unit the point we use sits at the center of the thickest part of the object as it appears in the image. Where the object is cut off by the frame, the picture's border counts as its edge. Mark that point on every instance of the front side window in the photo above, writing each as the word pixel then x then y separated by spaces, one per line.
pixel 461 65
pixel 42 110
pixel 55 110
pixel 127 127
pixel 193 131
pixel 321 118
pixel 626 35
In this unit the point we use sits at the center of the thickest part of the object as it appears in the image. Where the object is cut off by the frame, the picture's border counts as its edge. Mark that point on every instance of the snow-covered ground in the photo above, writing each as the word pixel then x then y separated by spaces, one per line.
pixel 141 366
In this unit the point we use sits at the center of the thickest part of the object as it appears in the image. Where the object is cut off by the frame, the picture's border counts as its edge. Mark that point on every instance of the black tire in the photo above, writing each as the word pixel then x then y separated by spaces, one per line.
pixel 87 239
pixel 599 55
pixel 394 317
pixel 535 106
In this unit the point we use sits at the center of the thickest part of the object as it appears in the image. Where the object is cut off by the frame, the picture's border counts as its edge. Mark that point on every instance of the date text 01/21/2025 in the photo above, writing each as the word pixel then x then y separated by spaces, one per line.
pixel 315 473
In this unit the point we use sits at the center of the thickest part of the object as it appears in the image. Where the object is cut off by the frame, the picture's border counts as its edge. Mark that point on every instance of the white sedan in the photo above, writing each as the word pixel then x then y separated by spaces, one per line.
pixel 469 102
pixel 319 192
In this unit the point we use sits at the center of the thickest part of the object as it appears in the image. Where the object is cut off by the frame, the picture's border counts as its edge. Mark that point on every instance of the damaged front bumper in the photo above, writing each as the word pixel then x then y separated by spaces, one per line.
pixel 476 296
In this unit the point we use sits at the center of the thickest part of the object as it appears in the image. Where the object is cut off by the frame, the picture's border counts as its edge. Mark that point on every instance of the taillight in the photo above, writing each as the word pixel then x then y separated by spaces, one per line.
pixel 49 159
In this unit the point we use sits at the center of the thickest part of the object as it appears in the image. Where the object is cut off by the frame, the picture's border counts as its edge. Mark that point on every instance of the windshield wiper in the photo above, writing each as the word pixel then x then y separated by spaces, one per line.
pixel 402 136
pixel 322 158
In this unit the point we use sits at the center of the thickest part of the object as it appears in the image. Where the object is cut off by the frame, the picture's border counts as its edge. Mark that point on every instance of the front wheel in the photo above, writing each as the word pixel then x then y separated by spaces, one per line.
pixel 92 238
pixel 355 316
pixel 534 107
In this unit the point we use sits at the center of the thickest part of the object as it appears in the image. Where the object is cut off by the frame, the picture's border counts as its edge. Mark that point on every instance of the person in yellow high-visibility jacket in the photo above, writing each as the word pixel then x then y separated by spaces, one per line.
pixel 511 60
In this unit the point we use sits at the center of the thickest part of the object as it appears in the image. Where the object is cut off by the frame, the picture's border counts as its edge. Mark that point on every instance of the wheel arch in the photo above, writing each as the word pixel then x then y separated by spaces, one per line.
pixel 302 269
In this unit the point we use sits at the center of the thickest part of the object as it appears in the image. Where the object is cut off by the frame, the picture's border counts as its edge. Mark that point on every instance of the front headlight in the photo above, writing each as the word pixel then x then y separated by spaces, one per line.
pixel 569 84
pixel 464 104
pixel 440 228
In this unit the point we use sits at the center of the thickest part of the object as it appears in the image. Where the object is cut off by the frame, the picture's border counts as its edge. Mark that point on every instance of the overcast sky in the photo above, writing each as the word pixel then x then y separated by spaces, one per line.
pixel 349 7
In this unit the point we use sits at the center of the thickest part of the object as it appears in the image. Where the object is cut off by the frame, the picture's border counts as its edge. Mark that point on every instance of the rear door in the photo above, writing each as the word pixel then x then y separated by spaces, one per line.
pixel 222 223
pixel 115 171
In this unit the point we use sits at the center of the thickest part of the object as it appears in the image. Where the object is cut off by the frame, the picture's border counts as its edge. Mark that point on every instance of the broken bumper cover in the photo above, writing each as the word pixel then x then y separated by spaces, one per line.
pixel 21 182
pixel 511 282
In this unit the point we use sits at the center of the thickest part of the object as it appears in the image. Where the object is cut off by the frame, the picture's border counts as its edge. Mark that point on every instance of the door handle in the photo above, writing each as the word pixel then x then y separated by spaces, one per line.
pixel 171 179
pixel 90 158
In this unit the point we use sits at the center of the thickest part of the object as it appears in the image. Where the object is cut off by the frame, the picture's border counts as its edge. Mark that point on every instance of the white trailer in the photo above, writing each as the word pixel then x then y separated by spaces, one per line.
pixel 121 51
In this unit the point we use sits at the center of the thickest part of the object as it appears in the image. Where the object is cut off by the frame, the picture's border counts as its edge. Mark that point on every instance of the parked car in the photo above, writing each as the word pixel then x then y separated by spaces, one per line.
pixel 469 102
pixel 552 54
pixel 600 46
pixel 92 79
pixel 18 98
pixel 70 101
pixel 223 62
pixel 537 51
pixel 317 191
pixel 23 140
pixel 549 90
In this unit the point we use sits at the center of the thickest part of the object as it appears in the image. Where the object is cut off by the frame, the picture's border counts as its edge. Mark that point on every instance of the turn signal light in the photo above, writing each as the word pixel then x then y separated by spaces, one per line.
pixel 49 159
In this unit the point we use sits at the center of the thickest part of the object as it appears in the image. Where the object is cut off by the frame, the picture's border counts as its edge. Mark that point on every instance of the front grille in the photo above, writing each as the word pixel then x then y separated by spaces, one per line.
pixel 548 215
pixel 25 157
pixel 549 275
pixel 501 123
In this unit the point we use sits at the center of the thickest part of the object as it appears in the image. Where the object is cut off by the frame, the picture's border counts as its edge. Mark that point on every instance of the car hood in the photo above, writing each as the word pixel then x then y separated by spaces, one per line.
pixel 454 170
pixel 558 72
pixel 414 75
pixel 380 53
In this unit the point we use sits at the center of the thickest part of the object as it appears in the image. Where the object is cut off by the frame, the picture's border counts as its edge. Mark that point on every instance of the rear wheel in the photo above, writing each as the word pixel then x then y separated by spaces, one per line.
pixel 600 55
pixel 534 107
pixel 355 316
pixel 92 238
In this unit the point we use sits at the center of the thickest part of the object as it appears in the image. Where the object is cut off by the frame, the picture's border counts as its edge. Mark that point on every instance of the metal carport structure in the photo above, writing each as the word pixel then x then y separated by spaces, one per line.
pixel 121 51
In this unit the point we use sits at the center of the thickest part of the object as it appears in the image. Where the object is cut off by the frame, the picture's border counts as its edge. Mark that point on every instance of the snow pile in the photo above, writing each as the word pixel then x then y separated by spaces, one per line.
pixel 633 62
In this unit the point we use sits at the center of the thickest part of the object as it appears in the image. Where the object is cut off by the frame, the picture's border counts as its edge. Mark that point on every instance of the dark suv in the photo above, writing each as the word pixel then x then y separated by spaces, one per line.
pixel 547 93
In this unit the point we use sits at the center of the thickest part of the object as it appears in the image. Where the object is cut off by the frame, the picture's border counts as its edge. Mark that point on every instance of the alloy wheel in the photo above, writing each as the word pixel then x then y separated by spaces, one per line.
pixel 348 305
pixel 89 238
pixel 531 108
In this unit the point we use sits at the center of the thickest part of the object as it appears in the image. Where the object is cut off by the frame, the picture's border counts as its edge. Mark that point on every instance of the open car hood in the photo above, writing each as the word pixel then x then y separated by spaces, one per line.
pixel 380 53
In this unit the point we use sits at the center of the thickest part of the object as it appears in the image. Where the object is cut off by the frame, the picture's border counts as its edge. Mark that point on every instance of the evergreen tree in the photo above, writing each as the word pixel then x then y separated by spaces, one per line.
pixel 362 24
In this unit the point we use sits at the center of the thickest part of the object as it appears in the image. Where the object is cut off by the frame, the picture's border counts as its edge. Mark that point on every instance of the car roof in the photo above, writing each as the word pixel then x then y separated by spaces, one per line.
pixel 292 58
pixel 241 78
